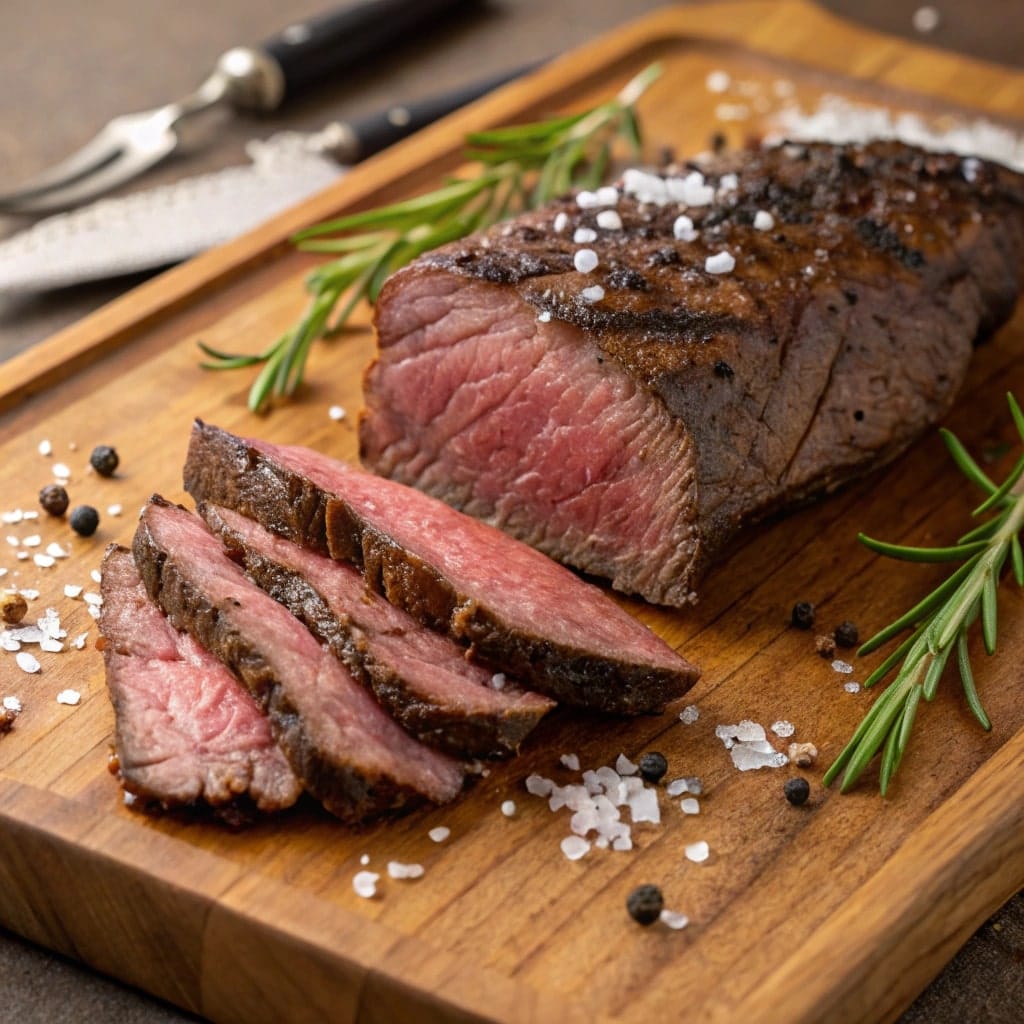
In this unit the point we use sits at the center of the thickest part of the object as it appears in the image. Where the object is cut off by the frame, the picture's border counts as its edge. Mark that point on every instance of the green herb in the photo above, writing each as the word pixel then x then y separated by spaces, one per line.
pixel 939 624
pixel 521 167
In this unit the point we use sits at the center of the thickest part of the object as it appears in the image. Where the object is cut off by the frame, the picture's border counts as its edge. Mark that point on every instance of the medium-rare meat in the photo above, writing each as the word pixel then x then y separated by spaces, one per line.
pixel 751 335
pixel 345 749
pixel 517 610
pixel 421 677
pixel 186 732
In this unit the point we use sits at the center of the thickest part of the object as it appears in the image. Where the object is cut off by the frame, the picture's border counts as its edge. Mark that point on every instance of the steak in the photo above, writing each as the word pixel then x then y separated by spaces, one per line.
pixel 186 732
pixel 516 610
pixel 346 750
pixel 422 678
pixel 756 331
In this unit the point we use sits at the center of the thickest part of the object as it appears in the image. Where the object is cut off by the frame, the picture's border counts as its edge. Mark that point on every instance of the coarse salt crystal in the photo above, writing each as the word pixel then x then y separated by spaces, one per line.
pixel 60 470
pixel 79 642
pixel 624 766
pixel 783 728
pixel 114 510
pixel 396 869
pixel 561 221
pixel 336 413
pixel 365 884
pixel 45 447
pixel 926 19
pixel 364 859
pixel 682 228
pixel 9 643
pixel 609 220
pixel 508 808
pixel 544 316
pixel 26 662
pixel 643 806
pixel 13 541
pixel 607 195
pixel 717 81
pixel 842 666
pixel 128 799
pixel 728 183
pixel 586 200
pixel 583 235
pixel 673 919
pixel 439 834
pixel 94 610
pixel 595 293
pixel 32 541
pixel 585 260
pixel 498 681
pixel 537 785
pixel 689 714
pixel 750 756
pixel 575 847
pixel 851 687
pixel 72 590
pixel 622 843
pixel 95 574
pixel 93 598
pixel 51 645
pixel 697 852
pixel 54 550
pixel 689 806
pixel 22 556
pixel 12 704
pixel 720 263
pixel 44 561
pixel 70 697
pixel 763 220
pixel 677 787
pixel 570 761
pixel 732 111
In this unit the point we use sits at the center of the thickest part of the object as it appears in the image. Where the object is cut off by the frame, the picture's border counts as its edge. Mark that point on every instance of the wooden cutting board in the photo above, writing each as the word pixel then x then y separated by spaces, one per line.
pixel 841 910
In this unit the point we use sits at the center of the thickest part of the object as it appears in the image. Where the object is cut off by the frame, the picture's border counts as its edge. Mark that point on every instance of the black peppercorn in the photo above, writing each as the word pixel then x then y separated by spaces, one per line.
pixel 104 460
pixel 645 904
pixel 724 370
pixel 803 615
pixel 84 520
pixel 846 634
pixel 54 499
pixel 653 766
pixel 797 791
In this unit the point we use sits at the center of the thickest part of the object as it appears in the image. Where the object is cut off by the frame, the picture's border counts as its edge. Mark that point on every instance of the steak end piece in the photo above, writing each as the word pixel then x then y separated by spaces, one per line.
pixel 515 609
pixel 755 332
pixel 422 678
pixel 345 749
pixel 187 733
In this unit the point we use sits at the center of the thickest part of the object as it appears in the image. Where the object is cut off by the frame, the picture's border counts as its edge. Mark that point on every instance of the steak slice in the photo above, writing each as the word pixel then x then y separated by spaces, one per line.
pixel 518 611
pixel 630 431
pixel 185 731
pixel 346 750
pixel 422 678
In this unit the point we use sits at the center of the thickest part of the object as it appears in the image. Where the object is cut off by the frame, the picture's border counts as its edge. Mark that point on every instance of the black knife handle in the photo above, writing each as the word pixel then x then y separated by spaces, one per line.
pixel 315 49
pixel 377 131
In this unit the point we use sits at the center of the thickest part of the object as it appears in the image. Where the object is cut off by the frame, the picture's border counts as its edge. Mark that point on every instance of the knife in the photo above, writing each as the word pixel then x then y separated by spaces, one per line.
pixel 161 226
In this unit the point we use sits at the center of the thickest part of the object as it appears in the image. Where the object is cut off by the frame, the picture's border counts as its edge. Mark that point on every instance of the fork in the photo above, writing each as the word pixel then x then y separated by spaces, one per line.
pixel 244 78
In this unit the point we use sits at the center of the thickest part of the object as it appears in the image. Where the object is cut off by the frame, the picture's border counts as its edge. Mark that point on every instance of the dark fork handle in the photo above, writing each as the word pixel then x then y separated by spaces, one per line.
pixel 315 49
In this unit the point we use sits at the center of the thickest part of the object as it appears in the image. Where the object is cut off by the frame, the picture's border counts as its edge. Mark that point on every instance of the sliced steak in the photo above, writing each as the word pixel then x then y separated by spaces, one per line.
pixel 186 732
pixel 347 751
pixel 517 610
pixel 421 677
pixel 632 428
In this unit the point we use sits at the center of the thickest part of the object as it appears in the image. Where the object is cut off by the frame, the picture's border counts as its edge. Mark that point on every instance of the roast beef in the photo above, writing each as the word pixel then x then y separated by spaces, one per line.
pixel 346 750
pixel 186 732
pixel 518 611
pixel 756 330
pixel 421 677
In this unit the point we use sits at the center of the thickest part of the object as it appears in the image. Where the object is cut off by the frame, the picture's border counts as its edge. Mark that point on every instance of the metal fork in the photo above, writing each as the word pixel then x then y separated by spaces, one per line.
pixel 245 78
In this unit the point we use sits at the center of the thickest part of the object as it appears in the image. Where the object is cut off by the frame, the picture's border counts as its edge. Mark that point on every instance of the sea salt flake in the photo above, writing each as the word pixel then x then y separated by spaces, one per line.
pixel 70 697
pixel 26 662
pixel 748 757
pixel 11 518
pixel 336 413
pixel 439 834
pixel 595 293
pixel 622 843
pixel 364 859
pixel 508 808
pixel 673 919
pixel 689 714
pixel 624 766
pixel 29 593
pixel 717 81
pixel 13 541
pixel 842 666
pixel 585 260
pixel 128 799
pixel 677 787
pixel 33 541
pixel 9 643
pixel 72 590
pixel 544 316
pixel 114 510
pixel 609 220
pixel 62 471
pixel 570 761
pixel 851 687
pixel 95 574
pixel 926 19
pixel 763 220
pixel 720 263
pixel 561 222
pixel 29 514
pixel 732 111
pixel 22 556
pixel 45 447
pixel 643 806
pixel 51 645
pixel 728 183
pixel 54 550
pixel 683 229
pixel 44 561
pixel 12 704
pixel 689 806
pixel 537 785
pixel 697 852
pixel 783 728
pixel 94 610
pixel 93 598
pixel 694 785
pixel 396 869
pixel 365 884
pixel 79 642
pixel 575 847
pixel 583 235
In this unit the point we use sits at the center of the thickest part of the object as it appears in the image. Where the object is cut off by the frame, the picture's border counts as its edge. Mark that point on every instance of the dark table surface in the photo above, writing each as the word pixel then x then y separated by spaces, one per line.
pixel 68 66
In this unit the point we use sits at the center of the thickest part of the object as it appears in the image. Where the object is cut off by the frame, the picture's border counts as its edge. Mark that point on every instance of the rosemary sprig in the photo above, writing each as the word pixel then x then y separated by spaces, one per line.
pixel 521 167
pixel 939 623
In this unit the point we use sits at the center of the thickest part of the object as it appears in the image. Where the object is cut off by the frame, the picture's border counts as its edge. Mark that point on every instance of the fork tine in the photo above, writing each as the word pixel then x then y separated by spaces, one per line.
pixel 124 165
pixel 103 147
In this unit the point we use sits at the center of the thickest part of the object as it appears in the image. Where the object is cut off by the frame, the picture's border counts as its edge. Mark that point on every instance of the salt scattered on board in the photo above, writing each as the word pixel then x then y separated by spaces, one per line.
pixel 575 847
pixel 365 884
pixel 439 834
pixel 697 852
pixel 396 869
pixel 69 697
pixel 689 714
pixel 673 919
pixel 508 808
pixel 27 663
pixel 783 728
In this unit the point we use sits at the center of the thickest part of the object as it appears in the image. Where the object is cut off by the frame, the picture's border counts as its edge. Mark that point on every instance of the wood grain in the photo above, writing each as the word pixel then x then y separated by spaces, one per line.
pixel 840 910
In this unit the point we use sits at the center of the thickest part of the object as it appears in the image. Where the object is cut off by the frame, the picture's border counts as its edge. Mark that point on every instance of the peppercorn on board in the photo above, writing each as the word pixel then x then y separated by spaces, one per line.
pixel 841 909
